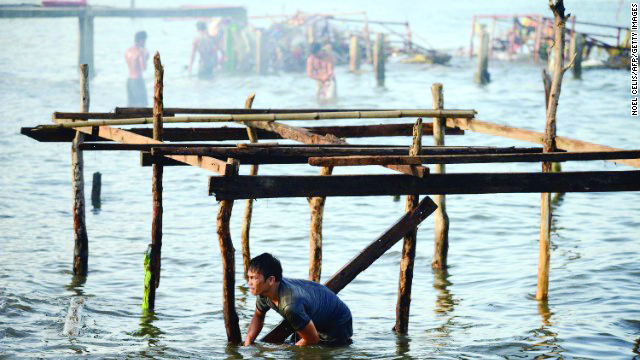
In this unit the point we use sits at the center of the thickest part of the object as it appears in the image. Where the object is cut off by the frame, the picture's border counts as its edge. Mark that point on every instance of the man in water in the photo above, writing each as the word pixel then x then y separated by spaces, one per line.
pixel 136 57
pixel 316 314
pixel 206 47
pixel 320 66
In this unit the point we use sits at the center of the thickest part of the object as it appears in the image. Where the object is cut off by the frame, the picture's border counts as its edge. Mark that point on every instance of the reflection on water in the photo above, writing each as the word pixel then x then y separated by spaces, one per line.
pixel 543 340
pixel 445 301
pixel 77 284
pixel 148 329
pixel 402 346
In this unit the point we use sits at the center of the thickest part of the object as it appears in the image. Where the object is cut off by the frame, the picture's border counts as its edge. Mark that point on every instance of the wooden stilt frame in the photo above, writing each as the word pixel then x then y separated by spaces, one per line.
pixel 248 210
pixel 441 223
pixel 316 204
pixel 81 239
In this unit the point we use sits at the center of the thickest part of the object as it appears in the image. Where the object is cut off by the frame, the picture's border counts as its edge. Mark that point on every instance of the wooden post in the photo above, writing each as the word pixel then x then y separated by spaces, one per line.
pixel 550 146
pixel 315 249
pixel 259 69
pixel 153 280
pixel 378 59
pixel 473 34
pixel 354 54
pixel 408 248
pixel 576 54
pixel 482 75
pixel 85 42
pixel 95 190
pixel 367 40
pixel 311 33
pixel 491 37
pixel 248 210
pixel 231 320
pixel 441 239
pixel 538 40
pixel 81 239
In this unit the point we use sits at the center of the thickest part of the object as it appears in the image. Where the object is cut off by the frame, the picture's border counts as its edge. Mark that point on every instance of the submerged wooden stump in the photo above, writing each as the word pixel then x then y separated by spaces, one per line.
pixel 81 239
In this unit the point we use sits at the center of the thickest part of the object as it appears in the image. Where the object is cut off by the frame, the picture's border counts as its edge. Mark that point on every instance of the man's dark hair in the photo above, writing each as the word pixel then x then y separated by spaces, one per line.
pixel 141 36
pixel 201 26
pixel 267 265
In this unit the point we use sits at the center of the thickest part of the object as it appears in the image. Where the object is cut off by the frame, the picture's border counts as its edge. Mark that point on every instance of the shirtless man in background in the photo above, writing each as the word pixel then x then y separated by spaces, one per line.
pixel 136 57
pixel 320 65
pixel 205 46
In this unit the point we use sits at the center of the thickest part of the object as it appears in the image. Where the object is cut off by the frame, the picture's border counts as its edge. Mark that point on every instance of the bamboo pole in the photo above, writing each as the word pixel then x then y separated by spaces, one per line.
pixel 231 320
pixel 156 224
pixel 388 114
pixel 315 249
pixel 408 249
pixel 441 224
pixel 248 210
pixel 81 239
pixel 549 145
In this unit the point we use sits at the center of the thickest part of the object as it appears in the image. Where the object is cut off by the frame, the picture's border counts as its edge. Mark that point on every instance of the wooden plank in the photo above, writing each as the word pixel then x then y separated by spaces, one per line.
pixel 365 258
pixel 563 143
pixel 473 158
pixel 472 183
pixel 127 12
pixel 52 133
pixel 124 136
pixel 303 135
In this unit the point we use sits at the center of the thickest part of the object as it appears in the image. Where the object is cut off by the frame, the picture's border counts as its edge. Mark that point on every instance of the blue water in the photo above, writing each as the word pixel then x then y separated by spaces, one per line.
pixel 484 307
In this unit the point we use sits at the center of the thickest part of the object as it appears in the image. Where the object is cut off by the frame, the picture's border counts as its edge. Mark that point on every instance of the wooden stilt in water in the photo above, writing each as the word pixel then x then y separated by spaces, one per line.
pixel 259 54
pixel 153 280
pixel 85 42
pixel 354 54
pixel 482 74
pixel 231 320
pixel 95 190
pixel 441 239
pixel 378 59
pixel 549 145
pixel 576 54
pixel 248 210
pixel 315 249
pixel 408 249
pixel 81 239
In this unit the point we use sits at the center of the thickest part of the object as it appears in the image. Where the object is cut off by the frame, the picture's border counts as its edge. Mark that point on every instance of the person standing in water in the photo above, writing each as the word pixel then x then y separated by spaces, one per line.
pixel 205 46
pixel 137 57
pixel 320 67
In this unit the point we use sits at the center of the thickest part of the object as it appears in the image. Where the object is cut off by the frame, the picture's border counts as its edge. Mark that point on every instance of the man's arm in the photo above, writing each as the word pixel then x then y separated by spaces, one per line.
pixel 255 327
pixel 309 335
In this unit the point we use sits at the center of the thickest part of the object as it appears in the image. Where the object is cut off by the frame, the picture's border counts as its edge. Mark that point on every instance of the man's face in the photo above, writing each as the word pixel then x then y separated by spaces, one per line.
pixel 258 285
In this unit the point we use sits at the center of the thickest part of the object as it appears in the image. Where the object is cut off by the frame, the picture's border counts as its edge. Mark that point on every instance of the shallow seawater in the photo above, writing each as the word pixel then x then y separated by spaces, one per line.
pixel 483 307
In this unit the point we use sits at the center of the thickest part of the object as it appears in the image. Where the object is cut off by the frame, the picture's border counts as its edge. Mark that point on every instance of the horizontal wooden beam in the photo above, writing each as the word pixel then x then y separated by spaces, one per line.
pixel 304 136
pixel 53 133
pixel 563 143
pixel 303 154
pixel 365 258
pixel 123 136
pixel 256 187
pixel 76 11
pixel 350 160
pixel 390 114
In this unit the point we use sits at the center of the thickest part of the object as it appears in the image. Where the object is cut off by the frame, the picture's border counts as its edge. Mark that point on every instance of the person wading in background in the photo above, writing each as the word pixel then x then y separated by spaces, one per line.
pixel 320 67
pixel 137 57
pixel 205 46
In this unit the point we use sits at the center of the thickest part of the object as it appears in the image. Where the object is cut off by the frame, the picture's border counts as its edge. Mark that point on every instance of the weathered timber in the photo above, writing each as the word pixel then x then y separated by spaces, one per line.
pixel 240 13
pixel 471 158
pixel 156 222
pixel 408 249
pixel 379 59
pixel 256 187
pixel 248 210
pixel 124 136
pixel 53 133
pixel 482 74
pixel 365 258
pixel 316 205
pixel 230 315
pixel 392 114
pixel 441 219
pixel 534 137
pixel 303 135
pixel 549 145
pixel 80 237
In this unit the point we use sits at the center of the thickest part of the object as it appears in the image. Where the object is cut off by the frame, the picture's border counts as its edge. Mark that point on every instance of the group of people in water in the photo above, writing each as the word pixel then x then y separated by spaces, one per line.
pixel 320 65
